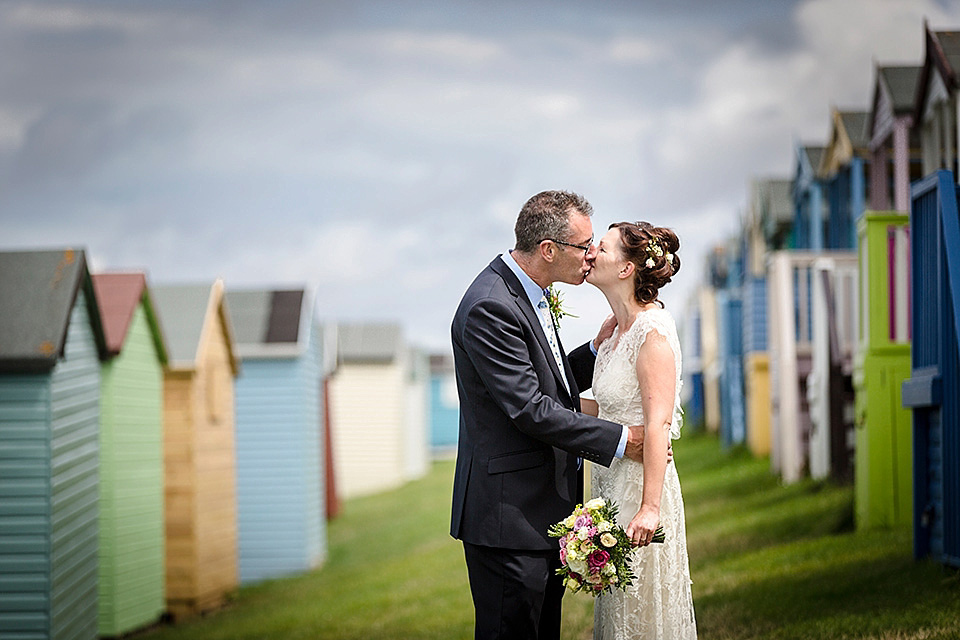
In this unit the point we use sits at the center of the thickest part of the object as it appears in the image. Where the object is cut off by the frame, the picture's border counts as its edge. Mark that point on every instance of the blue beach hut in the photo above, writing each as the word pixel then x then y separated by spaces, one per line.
pixel 51 345
pixel 844 166
pixel 280 433
pixel 808 197
pixel 444 405
pixel 933 390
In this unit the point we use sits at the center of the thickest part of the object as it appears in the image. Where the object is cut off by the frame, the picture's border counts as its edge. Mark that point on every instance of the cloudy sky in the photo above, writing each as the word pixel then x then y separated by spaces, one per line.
pixel 378 151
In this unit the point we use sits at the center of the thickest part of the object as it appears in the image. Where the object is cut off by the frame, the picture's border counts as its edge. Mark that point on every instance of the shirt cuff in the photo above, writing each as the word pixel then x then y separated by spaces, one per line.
pixel 623 441
pixel 593 349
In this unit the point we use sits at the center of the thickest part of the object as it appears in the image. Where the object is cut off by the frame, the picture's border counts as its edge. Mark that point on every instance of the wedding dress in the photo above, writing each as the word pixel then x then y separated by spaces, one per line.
pixel 659 603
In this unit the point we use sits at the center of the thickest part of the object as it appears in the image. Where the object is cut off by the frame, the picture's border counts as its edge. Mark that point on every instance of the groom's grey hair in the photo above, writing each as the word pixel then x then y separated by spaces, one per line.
pixel 547 216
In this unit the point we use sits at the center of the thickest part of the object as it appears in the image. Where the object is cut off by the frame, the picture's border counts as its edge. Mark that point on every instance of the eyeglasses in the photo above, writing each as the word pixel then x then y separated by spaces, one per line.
pixel 575 246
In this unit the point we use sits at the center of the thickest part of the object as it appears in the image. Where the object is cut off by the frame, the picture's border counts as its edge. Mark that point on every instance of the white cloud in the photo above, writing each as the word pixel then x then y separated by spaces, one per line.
pixel 634 50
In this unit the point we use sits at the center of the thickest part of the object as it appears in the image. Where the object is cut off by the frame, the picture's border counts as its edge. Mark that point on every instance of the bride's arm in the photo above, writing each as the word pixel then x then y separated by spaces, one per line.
pixel 657 377
pixel 589 406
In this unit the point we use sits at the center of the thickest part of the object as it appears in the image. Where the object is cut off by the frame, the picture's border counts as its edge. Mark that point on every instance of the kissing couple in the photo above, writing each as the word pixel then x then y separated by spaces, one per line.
pixel 525 432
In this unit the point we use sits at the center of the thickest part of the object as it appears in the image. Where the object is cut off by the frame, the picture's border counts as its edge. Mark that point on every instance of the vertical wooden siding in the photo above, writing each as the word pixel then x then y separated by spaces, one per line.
pixel 179 480
pixel 215 460
pixel 74 490
pixel 131 468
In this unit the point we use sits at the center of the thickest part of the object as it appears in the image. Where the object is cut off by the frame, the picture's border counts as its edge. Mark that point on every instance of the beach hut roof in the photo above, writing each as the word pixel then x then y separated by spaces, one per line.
pixel 899 84
pixel 118 295
pixel 855 126
pixel 372 343
pixel 942 54
pixel 183 309
pixel 848 139
pixel 269 323
pixel 39 290
pixel 902 84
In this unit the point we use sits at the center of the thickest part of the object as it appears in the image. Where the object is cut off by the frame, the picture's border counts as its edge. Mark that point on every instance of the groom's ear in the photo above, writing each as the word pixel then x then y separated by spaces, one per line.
pixel 546 250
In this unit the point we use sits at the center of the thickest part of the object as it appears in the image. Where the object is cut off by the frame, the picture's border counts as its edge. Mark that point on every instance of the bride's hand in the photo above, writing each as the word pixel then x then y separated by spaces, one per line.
pixel 606 330
pixel 642 527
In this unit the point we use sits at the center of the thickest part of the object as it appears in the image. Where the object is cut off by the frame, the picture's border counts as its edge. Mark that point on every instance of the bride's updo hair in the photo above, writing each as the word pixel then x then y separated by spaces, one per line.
pixel 653 251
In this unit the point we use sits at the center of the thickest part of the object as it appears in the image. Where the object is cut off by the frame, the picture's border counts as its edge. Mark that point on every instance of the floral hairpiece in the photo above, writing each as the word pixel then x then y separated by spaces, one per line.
pixel 654 249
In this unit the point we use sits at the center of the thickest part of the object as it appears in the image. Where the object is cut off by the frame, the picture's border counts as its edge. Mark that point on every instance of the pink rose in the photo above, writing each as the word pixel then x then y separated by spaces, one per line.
pixel 581 522
pixel 563 556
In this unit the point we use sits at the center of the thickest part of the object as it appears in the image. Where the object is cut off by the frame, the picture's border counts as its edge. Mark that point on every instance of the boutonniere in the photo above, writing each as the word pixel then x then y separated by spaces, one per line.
pixel 555 302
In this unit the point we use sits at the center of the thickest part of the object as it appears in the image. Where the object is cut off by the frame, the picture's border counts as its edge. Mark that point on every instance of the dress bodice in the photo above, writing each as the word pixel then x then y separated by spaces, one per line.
pixel 615 384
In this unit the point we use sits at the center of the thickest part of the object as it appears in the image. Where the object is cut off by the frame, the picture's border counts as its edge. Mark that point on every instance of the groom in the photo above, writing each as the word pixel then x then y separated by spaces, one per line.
pixel 521 434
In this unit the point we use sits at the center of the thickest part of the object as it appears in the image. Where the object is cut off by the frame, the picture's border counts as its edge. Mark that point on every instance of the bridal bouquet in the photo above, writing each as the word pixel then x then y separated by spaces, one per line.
pixel 594 549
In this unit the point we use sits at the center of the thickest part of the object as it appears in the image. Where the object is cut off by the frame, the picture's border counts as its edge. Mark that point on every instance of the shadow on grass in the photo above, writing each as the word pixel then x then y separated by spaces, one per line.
pixel 839 587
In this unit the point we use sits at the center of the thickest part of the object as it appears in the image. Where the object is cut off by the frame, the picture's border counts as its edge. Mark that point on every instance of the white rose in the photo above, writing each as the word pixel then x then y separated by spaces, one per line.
pixel 596 503
pixel 606 525
pixel 569 521
pixel 577 565
pixel 583 534
pixel 608 540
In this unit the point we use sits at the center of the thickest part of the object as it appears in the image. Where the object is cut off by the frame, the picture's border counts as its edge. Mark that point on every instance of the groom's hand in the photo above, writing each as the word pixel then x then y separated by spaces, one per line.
pixel 634 449
pixel 606 330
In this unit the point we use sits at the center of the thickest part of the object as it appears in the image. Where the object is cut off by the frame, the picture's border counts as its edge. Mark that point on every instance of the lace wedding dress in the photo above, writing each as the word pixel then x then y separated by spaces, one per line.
pixel 659 604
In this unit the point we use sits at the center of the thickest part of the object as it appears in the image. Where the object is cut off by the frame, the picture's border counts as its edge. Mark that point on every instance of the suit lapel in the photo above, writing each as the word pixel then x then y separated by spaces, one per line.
pixel 533 317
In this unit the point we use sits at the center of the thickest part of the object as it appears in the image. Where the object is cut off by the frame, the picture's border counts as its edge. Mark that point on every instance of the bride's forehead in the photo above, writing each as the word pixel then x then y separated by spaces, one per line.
pixel 612 236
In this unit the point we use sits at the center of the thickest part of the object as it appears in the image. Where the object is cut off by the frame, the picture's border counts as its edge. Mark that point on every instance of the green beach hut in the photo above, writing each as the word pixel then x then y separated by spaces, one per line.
pixel 883 469
pixel 131 456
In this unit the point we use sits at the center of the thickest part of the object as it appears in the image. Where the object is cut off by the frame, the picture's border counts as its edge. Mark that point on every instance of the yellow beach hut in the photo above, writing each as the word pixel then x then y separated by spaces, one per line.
pixel 199 449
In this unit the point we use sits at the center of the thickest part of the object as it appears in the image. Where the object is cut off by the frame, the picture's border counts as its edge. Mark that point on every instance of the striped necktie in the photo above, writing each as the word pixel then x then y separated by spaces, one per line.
pixel 550 330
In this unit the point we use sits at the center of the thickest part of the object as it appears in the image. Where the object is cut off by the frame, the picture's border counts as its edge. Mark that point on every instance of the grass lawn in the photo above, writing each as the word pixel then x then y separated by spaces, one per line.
pixel 768 561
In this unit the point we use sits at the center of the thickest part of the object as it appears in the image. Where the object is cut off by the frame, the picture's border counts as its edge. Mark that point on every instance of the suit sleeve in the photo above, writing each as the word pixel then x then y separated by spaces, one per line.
pixel 493 340
pixel 581 362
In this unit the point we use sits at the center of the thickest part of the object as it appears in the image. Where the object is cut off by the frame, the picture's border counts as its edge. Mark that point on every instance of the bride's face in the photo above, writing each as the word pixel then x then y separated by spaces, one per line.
pixel 608 262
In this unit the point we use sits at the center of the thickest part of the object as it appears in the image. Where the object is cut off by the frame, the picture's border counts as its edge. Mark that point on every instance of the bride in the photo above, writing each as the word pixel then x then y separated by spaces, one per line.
pixel 637 381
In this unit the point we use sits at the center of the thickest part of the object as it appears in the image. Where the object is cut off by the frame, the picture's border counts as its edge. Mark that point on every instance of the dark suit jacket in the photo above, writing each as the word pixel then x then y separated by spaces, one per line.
pixel 520 430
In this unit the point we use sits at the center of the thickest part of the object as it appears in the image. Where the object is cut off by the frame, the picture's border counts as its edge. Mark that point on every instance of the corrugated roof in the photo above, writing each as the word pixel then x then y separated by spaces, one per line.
pixel 902 84
pixel 374 342
pixel 182 310
pixel 38 290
